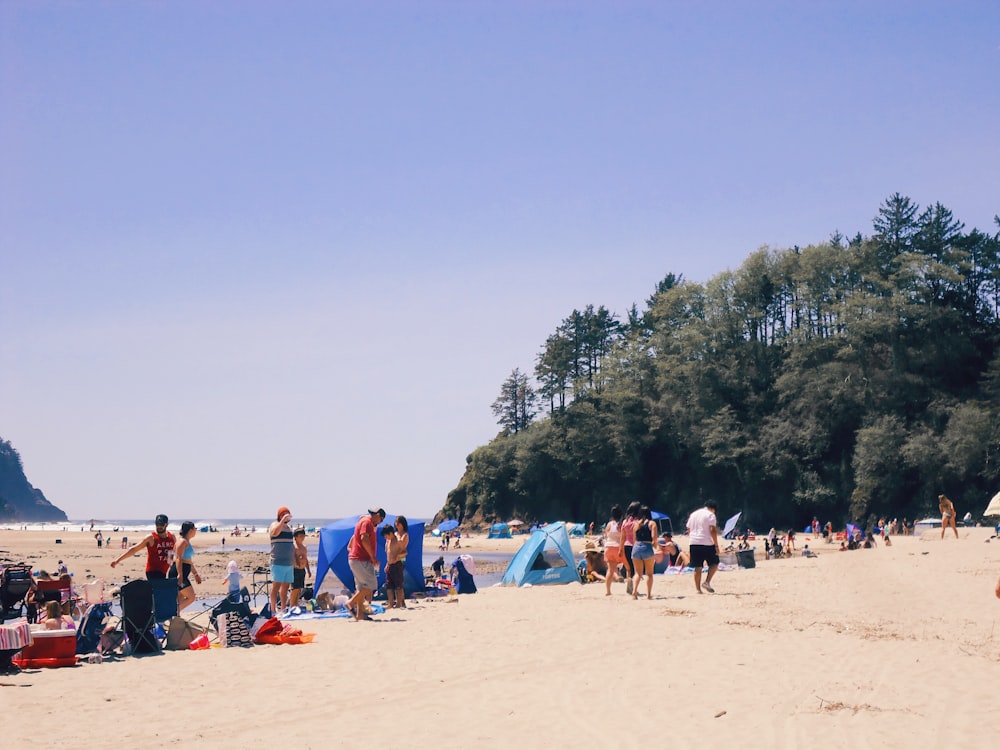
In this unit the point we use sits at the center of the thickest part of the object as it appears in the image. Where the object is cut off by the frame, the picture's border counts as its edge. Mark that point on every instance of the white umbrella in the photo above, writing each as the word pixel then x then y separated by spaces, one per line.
pixel 993 509
pixel 731 524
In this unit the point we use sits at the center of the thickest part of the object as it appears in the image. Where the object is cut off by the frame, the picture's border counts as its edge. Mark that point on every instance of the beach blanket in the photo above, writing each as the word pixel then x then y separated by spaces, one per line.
pixel 343 614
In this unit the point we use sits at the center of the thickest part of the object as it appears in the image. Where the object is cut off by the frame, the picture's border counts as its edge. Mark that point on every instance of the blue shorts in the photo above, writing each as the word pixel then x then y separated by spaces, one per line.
pixel 282 573
pixel 642 551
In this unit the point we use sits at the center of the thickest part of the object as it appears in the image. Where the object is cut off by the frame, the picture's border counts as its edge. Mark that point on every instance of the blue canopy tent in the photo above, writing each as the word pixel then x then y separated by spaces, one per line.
pixel 545 557
pixel 660 518
pixel 333 541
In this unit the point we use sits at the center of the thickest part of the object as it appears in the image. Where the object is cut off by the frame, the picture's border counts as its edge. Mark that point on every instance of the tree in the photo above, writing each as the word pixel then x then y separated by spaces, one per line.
pixel 514 408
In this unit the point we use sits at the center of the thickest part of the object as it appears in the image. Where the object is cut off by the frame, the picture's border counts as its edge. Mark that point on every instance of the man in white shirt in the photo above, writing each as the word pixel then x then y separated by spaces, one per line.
pixel 704 537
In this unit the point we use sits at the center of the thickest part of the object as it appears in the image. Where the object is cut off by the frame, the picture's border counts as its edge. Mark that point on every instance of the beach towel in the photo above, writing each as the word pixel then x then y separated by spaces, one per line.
pixel 234 631
pixel 277 632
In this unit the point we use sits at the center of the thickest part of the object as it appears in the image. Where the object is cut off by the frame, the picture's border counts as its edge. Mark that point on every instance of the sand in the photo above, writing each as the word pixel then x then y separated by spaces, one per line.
pixel 891 647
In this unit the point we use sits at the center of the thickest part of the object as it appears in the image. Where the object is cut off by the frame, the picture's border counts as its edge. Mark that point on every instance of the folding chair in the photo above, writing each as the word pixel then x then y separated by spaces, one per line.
pixel 15 583
pixel 164 598
pixel 88 634
pixel 137 617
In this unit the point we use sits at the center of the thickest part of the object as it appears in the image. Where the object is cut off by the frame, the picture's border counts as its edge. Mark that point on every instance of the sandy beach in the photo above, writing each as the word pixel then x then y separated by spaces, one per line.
pixel 884 648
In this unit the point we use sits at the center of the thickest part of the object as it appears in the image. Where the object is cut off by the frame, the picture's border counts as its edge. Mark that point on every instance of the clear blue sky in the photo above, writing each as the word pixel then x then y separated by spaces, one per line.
pixel 264 253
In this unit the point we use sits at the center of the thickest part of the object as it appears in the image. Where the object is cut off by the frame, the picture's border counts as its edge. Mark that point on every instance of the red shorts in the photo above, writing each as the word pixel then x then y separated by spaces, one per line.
pixel 613 555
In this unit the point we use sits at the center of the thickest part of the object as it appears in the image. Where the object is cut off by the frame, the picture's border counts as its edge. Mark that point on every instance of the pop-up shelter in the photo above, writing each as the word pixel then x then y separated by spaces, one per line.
pixel 332 556
pixel 499 531
pixel 545 557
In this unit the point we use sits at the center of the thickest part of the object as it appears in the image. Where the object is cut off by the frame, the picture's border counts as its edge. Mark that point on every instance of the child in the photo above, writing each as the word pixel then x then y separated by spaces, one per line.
pixel 232 579
pixel 300 564
pixel 55 619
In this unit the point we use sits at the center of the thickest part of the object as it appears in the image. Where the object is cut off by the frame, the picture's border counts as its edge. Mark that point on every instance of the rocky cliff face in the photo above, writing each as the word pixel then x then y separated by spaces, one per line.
pixel 19 501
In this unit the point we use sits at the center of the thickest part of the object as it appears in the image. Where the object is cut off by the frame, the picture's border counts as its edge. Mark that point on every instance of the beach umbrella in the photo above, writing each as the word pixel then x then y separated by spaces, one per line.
pixel 656 515
pixel 731 524
pixel 515 522
pixel 448 525
pixel 993 509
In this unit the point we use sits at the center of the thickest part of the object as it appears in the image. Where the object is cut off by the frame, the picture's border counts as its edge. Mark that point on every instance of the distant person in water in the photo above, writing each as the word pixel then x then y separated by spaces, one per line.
pixel 159 550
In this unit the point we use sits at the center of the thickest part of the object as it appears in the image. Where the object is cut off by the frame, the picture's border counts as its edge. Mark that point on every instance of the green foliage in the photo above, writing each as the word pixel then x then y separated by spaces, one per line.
pixel 18 499
pixel 843 379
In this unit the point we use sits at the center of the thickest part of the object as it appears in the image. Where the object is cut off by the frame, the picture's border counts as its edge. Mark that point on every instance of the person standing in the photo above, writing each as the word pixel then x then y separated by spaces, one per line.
pixel 947 515
pixel 159 550
pixel 282 560
pixel 395 557
pixel 613 547
pixel 362 557
pixel 643 553
pixel 704 536
pixel 628 541
pixel 301 564
pixel 184 567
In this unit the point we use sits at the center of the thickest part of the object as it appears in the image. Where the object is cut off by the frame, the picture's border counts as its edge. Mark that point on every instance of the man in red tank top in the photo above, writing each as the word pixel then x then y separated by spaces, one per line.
pixel 159 550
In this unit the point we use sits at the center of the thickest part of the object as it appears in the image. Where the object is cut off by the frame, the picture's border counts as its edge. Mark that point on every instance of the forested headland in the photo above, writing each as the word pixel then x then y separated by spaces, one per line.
pixel 19 501
pixel 847 380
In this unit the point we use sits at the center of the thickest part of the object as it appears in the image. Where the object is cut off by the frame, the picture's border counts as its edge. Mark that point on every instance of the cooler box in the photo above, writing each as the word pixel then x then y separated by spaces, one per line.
pixel 745 558
pixel 49 648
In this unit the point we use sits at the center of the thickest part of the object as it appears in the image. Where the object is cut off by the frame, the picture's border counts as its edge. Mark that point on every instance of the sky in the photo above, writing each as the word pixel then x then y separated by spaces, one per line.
pixel 256 254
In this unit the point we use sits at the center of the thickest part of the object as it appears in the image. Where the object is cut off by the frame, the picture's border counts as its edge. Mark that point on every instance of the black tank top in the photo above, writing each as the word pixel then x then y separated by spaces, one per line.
pixel 643 533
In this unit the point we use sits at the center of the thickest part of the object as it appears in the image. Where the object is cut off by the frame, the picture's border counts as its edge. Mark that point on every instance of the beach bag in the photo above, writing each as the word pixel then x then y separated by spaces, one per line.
pixel 234 631
pixel 180 633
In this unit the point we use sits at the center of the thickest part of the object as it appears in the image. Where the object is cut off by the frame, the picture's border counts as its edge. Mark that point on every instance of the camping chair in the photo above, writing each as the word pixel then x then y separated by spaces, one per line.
pixel 164 598
pixel 137 617
pixel 91 628
pixel 15 583
pixel 93 592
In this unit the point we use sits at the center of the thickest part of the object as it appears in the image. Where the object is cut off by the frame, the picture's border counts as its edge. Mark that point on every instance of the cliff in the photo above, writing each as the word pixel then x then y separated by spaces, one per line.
pixel 19 501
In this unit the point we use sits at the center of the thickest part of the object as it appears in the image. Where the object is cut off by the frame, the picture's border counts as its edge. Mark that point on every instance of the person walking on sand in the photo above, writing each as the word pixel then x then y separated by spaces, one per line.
pixel 704 536
pixel 183 567
pixel 159 550
pixel 301 564
pixel 947 515
pixel 363 561
pixel 282 560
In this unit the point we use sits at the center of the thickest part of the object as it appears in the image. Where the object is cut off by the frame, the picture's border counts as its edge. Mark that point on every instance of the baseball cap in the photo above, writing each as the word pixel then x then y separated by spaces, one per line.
pixel 374 511
pixel 162 520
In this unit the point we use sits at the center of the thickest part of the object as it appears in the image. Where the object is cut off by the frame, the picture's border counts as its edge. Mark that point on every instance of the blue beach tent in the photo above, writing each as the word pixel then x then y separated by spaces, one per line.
pixel 499 531
pixel 332 556
pixel 545 557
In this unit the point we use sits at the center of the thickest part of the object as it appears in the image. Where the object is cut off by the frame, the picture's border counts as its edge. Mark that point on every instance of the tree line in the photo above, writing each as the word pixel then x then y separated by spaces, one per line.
pixel 850 379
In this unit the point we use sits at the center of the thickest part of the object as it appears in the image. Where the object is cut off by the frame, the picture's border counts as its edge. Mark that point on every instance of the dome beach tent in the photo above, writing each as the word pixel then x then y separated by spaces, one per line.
pixel 499 531
pixel 332 556
pixel 545 557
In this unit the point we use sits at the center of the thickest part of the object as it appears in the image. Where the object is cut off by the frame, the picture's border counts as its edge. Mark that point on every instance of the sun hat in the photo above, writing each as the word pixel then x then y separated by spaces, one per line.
pixel 376 511
pixel 299 530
